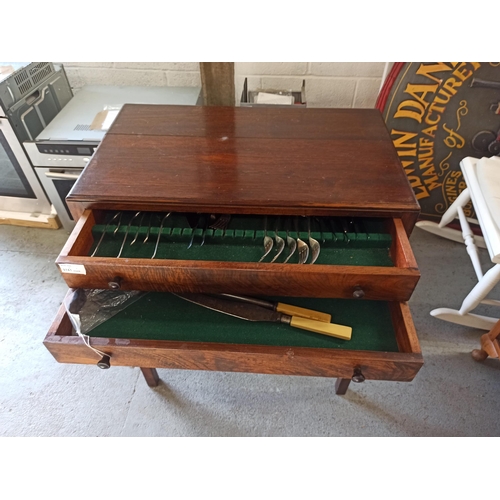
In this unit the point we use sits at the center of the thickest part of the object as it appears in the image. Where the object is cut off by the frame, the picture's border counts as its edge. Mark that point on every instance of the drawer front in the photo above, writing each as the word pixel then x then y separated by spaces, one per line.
pixel 384 269
pixel 238 345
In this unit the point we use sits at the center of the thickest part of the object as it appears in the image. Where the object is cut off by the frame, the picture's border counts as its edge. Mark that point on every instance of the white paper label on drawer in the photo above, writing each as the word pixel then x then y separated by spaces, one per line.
pixel 73 268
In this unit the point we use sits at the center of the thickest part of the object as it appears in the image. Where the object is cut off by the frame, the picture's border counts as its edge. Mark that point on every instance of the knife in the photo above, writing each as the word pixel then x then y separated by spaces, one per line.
pixel 282 308
pixel 253 312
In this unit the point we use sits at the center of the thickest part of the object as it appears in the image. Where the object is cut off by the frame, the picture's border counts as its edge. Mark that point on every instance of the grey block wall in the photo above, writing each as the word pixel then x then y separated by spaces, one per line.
pixel 328 84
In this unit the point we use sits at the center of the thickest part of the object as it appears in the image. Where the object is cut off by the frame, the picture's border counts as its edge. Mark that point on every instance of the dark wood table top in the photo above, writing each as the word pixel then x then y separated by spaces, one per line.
pixel 255 160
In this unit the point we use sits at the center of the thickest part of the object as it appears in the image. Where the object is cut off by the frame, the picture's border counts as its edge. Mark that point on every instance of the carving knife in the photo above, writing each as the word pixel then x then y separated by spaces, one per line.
pixel 282 308
pixel 253 312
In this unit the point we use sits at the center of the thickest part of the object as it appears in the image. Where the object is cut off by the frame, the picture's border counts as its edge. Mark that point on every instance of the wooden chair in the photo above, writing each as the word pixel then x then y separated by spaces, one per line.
pixel 482 177
pixel 489 345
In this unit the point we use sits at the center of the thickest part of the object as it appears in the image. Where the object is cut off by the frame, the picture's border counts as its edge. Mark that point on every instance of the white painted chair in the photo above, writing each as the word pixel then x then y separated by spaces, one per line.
pixel 482 177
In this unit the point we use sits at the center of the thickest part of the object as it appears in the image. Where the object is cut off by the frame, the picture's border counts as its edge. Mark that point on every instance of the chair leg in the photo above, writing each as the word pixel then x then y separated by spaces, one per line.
pixel 489 344
pixel 481 290
pixel 479 355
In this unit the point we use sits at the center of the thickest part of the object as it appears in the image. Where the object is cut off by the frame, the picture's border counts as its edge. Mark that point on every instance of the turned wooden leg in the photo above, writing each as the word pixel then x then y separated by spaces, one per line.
pixel 341 386
pixel 479 355
pixel 151 376
pixel 489 344
pixel 470 244
pixel 450 214
pixel 481 290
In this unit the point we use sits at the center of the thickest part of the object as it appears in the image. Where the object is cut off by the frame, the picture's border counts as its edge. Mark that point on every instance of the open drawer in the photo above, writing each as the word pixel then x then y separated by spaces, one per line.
pixel 368 257
pixel 160 330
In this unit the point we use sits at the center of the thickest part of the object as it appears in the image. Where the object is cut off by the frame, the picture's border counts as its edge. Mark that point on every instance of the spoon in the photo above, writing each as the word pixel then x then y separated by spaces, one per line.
pixel 280 243
pixel 268 241
pixel 291 243
pixel 314 244
pixel 301 245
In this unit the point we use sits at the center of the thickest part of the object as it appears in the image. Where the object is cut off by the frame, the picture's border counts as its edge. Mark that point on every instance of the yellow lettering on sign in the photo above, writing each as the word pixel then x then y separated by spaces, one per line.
pixel 454 140
pixel 402 142
pixel 433 183
pixel 433 108
pixel 423 143
pixel 450 190
pixel 442 97
pixel 419 92
pixel 430 131
pixel 407 164
pixel 419 189
pixel 410 109
pixel 450 84
pixel 426 162
pixel 429 172
pixel 463 73
pixel 427 70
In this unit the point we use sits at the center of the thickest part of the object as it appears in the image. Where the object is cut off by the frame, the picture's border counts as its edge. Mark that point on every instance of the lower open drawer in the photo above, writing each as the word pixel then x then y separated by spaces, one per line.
pixel 160 330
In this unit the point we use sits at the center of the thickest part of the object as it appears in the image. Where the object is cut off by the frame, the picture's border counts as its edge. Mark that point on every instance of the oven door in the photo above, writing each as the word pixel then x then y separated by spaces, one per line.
pixel 58 182
pixel 20 190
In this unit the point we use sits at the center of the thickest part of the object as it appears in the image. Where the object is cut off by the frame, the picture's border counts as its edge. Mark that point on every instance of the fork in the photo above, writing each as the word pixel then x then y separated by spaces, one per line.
pixel 159 233
pixel 117 215
pixel 219 222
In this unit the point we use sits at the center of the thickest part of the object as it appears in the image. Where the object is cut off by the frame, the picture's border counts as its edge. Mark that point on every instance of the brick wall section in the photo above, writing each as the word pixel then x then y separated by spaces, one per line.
pixel 328 84
pixel 173 74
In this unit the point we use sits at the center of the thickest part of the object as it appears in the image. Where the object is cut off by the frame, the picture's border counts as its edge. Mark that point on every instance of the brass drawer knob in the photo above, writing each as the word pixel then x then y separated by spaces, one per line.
pixel 116 283
pixel 357 376
pixel 358 292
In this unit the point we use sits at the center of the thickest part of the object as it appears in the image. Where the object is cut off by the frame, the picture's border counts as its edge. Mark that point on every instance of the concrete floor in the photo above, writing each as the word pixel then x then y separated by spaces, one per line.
pixel 451 396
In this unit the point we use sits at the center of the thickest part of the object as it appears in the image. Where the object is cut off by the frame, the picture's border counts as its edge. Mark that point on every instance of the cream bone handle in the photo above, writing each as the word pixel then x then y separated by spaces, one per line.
pixel 311 325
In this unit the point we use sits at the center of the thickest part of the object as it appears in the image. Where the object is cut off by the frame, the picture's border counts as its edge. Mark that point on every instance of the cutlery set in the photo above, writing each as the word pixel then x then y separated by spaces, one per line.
pixel 252 309
pixel 293 244
pixel 293 247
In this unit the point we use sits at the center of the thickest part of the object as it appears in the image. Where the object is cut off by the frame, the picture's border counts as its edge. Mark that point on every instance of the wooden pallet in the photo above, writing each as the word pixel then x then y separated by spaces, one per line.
pixel 46 221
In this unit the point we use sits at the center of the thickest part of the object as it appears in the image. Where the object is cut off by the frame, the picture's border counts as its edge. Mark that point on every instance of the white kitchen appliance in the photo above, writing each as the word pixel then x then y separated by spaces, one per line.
pixel 31 95
pixel 61 151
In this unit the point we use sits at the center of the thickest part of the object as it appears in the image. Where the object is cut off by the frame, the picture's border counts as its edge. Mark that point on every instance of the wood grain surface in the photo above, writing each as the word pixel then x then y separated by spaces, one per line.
pixel 293 280
pixel 333 281
pixel 238 159
pixel 66 348
pixel 296 161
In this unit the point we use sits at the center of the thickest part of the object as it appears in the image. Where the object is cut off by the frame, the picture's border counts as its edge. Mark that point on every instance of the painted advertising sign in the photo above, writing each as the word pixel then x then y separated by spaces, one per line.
pixel 437 114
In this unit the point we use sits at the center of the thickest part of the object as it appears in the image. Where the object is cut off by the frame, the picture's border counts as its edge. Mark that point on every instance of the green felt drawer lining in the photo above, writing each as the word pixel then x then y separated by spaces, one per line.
pixel 164 316
pixel 242 241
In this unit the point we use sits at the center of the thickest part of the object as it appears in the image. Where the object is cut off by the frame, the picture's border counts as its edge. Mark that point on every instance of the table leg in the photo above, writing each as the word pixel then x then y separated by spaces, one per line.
pixel 151 376
pixel 341 386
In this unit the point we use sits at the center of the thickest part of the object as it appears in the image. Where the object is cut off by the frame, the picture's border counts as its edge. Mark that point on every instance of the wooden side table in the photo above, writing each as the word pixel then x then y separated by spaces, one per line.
pixel 263 167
